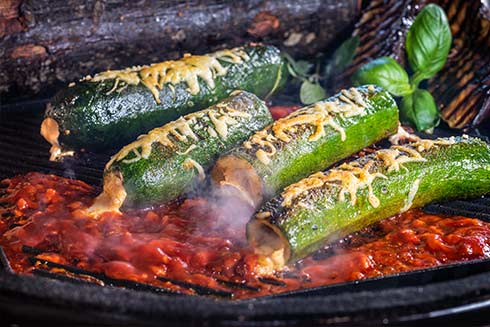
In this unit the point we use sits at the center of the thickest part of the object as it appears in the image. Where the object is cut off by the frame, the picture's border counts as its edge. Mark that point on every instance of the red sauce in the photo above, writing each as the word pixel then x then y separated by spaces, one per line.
pixel 282 111
pixel 198 242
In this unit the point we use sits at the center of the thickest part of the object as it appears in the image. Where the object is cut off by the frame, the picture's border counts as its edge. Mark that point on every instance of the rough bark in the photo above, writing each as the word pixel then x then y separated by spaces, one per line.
pixel 47 43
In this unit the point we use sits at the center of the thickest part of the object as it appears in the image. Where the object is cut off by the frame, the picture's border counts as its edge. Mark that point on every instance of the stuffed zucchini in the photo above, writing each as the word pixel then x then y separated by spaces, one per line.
pixel 307 140
pixel 163 164
pixel 113 107
pixel 328 205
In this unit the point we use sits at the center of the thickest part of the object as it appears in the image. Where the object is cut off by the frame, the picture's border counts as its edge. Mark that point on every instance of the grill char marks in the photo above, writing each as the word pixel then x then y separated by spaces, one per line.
pixel 462 88
pixel 382 30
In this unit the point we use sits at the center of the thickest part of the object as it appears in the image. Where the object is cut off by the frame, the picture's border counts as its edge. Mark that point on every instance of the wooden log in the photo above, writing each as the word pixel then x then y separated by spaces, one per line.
pixel 45 44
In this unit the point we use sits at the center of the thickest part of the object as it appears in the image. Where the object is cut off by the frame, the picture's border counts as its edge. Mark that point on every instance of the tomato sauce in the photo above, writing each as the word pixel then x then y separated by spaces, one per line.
pixel 197 241
pixel 278 112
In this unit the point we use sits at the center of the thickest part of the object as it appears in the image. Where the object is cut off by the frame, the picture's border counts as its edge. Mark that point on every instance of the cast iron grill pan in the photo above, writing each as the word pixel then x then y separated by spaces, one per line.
pixel 432 294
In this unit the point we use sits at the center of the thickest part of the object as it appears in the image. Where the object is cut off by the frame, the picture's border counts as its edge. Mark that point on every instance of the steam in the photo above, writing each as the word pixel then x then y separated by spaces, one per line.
pixel 233 211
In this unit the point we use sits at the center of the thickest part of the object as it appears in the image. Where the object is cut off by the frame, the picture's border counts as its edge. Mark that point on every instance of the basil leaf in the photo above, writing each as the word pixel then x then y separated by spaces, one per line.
pixel 311 92
pixel 298 69
pixel 303 67
pixel 420 110
pixel 345 53
pixel 342 56
pixel 428 43
pixel 384 72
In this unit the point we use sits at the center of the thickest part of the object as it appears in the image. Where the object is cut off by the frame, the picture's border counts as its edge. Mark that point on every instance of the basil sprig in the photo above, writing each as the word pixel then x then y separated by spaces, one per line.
pixel 310 74
pixel 427 44
pixel 310 91
pixel 341 58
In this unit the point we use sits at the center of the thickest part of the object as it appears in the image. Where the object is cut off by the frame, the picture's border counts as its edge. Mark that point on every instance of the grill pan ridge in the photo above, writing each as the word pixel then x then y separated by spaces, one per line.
pixel 425 294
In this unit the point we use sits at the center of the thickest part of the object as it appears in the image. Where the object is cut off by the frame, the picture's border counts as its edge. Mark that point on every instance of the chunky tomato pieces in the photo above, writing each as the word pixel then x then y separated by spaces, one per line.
pixel 200 242
pixel 282 111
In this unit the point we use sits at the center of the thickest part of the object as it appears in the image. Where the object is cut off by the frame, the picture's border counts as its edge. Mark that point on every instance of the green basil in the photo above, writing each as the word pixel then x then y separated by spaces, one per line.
pixel 420 109
pixel 298 69
pixel 428 42
pixel 384 72
pixel 311 92
pixel 342 57
pixel 303 67
pixel 344 54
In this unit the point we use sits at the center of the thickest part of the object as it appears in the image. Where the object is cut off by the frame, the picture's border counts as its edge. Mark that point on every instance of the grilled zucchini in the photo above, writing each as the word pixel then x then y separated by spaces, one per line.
pixel 163 164
pixel 328 205
pixel 307 140
pixel 113 107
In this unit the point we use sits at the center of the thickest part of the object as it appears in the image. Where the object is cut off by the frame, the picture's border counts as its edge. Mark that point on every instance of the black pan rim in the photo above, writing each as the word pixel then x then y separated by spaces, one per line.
pixel 394 304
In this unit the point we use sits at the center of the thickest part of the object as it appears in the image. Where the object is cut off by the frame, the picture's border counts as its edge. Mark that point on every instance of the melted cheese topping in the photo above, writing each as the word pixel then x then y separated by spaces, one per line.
pixel 349 104
pixel 350 178
pixel 181 130
pixel 186 70
pixel 221 123
pixel 394 157
pixel 425 144
pixel 421 144
pixel 354 176
pixel 397 155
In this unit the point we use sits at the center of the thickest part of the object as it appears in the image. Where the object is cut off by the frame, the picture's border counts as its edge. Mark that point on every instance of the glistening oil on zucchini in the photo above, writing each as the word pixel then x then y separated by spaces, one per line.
pixel 163 164
pixel 305 141
pixel 112 108
pixel 328 205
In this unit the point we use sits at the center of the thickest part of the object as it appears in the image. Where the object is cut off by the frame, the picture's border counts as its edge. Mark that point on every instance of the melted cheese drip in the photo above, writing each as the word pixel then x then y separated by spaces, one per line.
pixel 354 176
pixel 411 195
pixel 402 135
pixel 191 163
pixel 182 131
pixel 350 104
pixel 112 197
pixel 188 69
pixel 269 244
pixel 268 264
pixel 50 131
pixel 189 149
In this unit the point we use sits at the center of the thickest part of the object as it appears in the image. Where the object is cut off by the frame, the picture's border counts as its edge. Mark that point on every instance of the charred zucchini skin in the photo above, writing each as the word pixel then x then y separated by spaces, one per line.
pixel 163 176
pixel 302 156
pixel 90 116
pixel 459 170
